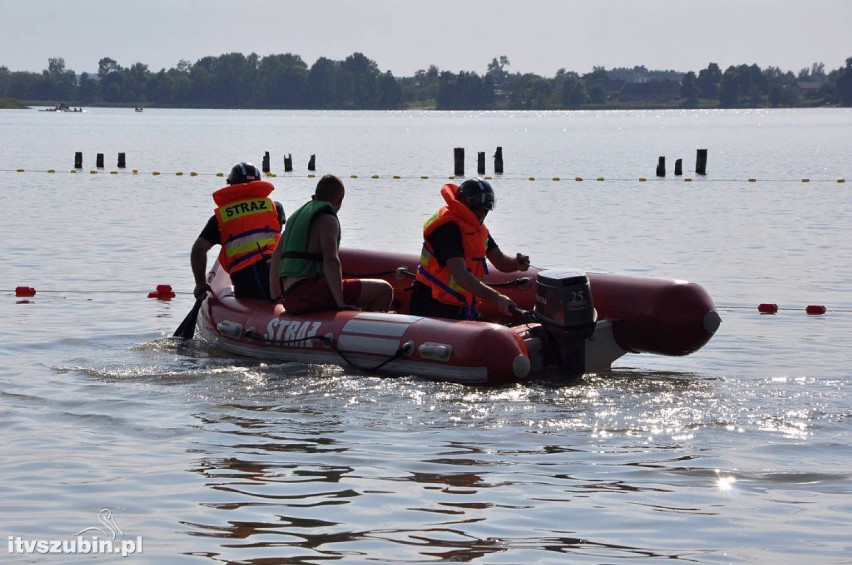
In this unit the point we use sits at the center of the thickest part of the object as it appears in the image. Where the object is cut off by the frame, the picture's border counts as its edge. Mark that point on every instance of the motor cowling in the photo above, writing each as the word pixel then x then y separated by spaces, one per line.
pixel 563 303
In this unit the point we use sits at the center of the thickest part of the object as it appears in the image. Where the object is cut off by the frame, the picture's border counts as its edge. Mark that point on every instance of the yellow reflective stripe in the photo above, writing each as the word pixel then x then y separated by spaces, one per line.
pixel 247 245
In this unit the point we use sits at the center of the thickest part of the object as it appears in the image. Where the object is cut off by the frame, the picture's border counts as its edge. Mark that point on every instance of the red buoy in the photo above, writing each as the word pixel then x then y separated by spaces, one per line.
pixel 163 292
pixel 25 291
pixel 767 308
pixel 815 309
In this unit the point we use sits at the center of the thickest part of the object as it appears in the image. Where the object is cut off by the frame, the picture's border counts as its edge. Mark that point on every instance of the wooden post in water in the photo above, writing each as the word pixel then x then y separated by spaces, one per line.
pixel 701 162
pixel 678 167
pixel 480 162
pixel 498 161
pixel 99 161
pixel 312 163
pixel 122 162
pixel 458 161
pixel 266 162
pixel 661 167
pixel 78 160
pixel 288 162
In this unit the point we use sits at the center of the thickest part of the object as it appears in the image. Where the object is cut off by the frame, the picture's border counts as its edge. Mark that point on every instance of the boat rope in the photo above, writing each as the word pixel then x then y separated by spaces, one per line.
pixel 404 349
pixel 522 282
pixel 400 272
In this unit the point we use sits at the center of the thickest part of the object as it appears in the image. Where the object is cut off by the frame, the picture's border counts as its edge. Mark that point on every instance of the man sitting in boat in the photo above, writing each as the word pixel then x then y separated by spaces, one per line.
pixel 247 224
pixel 307 264
pixel 452 262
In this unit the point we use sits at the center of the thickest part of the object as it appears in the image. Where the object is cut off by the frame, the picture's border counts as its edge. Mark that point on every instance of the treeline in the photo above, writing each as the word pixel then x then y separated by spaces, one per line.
pixel 285 81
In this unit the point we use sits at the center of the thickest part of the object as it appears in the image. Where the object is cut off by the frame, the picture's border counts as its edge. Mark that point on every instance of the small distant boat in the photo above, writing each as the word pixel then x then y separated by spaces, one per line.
pixel 62 107
pixel 140 109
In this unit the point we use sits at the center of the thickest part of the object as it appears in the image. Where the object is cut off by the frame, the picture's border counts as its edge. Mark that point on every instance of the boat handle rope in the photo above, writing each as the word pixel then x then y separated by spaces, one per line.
pixel 405 349
pixel 401 272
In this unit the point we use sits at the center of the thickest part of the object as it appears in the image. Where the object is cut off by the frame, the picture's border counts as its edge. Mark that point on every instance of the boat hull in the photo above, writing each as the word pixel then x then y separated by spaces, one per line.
pixel 648 315
pixel 634 314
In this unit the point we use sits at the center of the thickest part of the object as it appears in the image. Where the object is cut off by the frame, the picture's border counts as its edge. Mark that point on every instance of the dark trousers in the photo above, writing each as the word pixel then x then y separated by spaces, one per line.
pixel 422 304
pixel 252 281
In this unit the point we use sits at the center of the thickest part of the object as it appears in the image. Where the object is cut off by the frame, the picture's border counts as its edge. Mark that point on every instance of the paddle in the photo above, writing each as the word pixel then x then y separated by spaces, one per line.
pixel 186 329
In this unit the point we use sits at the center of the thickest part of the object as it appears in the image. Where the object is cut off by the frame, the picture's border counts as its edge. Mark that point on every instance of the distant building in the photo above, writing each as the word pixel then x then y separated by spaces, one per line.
pixel 807 88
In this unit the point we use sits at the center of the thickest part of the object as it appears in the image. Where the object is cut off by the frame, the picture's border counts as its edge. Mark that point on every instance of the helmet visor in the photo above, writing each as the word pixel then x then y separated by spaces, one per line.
pixel 483 201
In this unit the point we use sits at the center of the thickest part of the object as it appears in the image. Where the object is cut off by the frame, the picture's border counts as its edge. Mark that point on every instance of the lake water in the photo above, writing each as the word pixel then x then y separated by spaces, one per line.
pixel 739 453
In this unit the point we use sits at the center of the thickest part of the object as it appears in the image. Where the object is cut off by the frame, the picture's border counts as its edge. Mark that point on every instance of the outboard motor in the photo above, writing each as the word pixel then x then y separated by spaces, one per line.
pixel 563 306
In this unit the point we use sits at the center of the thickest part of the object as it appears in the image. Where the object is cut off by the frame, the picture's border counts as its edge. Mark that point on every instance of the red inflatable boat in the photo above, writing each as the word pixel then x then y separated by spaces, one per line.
pixel 569 324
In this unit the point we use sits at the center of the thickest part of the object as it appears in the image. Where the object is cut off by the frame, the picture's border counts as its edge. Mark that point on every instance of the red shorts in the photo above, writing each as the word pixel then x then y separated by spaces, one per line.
pixel 313 295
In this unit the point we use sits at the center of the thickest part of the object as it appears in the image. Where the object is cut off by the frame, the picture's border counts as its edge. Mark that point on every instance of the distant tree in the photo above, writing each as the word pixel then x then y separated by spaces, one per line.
pixel 708 81
pixel 202 77
pixel 322 84
pixel 534 91
pixel 842 83
pixel 138 77
pixel 689 90
pixel 358 82
pixel 424 86
pixel 5 82
pixel 742 86
pixel 465 91
pixel 573 93
pixel 112 80
pixel 88 93
pixel 390 92
pixel 497 70
pixel 815 72
pixel 59 83
pixel 596 85
pixel 107 66
pixel 283 81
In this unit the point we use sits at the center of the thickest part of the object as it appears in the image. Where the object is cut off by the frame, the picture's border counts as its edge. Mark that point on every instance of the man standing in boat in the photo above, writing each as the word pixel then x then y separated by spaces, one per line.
pixel 306 274
pixel 456 244
pixel 247 224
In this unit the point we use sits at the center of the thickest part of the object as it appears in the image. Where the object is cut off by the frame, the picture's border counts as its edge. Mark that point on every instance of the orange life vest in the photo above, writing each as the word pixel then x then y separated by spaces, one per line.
pixel 474 243
pixel 248 224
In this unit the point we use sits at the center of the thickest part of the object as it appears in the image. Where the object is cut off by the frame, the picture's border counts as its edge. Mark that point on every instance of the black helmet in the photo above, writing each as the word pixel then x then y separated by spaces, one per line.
pixel 243 172
pixel 477 194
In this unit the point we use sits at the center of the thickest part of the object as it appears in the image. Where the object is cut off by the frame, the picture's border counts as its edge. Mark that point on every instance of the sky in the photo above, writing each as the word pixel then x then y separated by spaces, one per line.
pixel 404 36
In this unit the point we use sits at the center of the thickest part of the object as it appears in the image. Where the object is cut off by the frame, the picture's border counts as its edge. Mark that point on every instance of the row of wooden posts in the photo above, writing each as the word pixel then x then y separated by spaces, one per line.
pixel 700 164
pixel 122 161
pixel 312 162
pixel 99 160
pixel 458 168
pixel 458 162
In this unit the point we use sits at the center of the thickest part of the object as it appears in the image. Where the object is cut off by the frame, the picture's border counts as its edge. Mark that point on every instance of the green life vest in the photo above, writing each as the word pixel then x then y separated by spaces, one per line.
pixel 296 261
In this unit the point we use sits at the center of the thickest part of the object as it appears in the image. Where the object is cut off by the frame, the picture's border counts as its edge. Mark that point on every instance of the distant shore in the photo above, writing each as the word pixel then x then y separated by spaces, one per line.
pixel 13 104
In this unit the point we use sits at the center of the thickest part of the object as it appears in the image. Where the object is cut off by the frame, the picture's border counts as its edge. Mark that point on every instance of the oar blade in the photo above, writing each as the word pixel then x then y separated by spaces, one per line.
pixel 186 329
